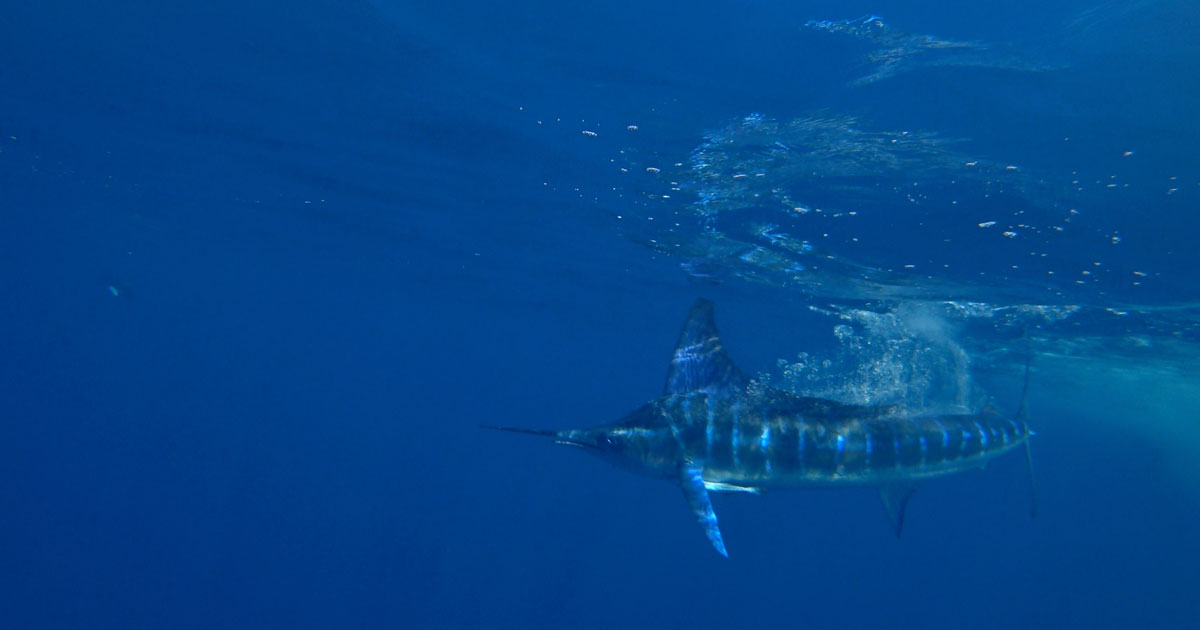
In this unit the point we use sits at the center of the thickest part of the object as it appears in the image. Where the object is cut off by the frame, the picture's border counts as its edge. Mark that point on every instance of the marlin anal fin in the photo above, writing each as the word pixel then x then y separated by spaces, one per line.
pixel 717 486
pixel 700 362
pixel 895 501
pixel 697 497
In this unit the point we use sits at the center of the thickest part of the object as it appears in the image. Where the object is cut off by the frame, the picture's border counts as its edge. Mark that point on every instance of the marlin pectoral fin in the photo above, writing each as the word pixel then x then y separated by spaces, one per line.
pixel 1023 416
pixel 717 486
pixel 697 497
pixel 895 501
pixel 1033 502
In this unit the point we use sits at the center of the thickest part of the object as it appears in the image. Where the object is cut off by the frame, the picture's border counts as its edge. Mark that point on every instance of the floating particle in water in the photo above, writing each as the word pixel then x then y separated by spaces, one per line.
pixel 114 291
pixel 987 224
pixel 1127 154
pixel 589 133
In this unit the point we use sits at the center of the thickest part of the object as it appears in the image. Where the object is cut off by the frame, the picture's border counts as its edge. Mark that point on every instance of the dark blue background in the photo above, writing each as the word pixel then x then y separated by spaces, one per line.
pixel 340 245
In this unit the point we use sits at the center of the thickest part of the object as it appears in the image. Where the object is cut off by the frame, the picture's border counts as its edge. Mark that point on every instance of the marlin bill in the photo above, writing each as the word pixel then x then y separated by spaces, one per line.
pixel 715 430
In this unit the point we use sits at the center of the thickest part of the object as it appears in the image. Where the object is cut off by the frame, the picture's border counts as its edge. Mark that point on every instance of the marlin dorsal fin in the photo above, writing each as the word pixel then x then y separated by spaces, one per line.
pixel 700 362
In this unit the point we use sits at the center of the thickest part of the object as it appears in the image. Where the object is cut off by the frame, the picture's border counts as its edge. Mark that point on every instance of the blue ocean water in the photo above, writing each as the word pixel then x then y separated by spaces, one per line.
pixel 269 266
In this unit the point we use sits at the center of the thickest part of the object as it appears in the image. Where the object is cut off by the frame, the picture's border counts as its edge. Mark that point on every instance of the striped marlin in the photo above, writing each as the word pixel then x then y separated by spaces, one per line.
pixel 715 430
